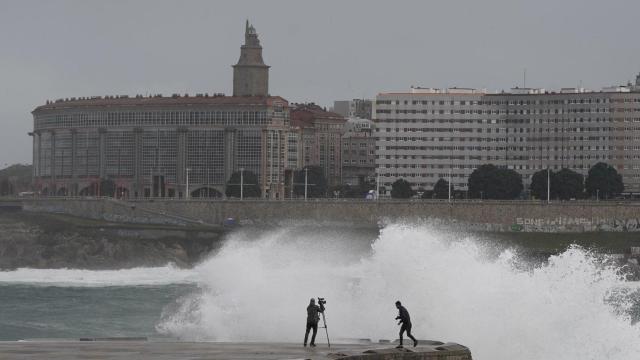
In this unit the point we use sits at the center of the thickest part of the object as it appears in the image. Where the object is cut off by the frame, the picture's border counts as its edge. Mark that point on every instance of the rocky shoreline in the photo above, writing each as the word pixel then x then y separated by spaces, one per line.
pixel 38 240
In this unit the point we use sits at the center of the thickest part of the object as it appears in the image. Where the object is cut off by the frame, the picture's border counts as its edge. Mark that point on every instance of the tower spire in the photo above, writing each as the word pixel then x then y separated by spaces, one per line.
pixel 250 74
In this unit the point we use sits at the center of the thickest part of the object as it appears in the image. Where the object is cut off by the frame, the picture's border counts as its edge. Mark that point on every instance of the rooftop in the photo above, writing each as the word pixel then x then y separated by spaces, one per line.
pixel 513 91
pixel 316 110
pixel 158 100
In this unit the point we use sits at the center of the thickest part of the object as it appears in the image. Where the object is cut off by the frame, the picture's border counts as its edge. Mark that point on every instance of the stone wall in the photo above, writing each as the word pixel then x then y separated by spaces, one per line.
pixel 486 215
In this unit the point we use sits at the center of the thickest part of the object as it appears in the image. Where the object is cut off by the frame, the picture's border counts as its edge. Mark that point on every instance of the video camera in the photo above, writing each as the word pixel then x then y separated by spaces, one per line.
pixel 321 301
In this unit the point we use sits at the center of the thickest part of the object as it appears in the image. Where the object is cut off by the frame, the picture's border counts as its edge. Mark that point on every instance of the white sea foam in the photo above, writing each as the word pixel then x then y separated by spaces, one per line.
pixel 257 289
pixel 89 278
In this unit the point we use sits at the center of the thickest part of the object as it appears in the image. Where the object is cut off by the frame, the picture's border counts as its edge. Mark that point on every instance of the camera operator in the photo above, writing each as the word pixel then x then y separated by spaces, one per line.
pixel 313 316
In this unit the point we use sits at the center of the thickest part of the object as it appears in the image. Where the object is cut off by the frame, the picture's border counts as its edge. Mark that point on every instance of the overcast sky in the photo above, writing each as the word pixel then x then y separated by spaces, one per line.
pixel 319 51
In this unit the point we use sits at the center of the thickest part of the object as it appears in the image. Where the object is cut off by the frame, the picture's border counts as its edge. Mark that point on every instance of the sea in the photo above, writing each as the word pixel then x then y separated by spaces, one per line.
pixel 505 296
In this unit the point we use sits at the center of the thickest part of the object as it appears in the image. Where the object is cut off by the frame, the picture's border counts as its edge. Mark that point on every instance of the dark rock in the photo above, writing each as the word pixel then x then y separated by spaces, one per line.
pixel 54 241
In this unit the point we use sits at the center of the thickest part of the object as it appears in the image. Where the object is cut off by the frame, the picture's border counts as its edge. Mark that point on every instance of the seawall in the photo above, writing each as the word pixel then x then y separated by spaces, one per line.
pixel 499 216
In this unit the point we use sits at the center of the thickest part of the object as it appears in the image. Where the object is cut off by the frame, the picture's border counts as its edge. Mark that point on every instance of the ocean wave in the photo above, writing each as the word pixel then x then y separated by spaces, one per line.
pixel 575 306
pixel 141 276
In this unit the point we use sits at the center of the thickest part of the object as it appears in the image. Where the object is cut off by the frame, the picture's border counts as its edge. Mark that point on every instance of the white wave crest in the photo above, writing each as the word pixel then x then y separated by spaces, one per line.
pixel 257 290
pixel 96 278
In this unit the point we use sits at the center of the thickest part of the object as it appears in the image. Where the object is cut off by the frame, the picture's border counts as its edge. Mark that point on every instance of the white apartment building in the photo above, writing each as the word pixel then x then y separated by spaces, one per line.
pixel 427 134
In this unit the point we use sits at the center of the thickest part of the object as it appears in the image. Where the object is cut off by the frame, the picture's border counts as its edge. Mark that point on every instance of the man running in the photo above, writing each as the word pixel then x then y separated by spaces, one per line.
pixel 313 316
pixel 405 320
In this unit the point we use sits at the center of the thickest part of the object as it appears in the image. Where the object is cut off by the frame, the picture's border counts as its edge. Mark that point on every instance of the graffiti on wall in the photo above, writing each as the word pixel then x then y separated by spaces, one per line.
pixel 573 224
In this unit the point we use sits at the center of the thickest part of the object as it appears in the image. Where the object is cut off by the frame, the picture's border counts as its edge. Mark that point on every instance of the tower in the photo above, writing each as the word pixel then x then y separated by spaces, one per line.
pixel 250 74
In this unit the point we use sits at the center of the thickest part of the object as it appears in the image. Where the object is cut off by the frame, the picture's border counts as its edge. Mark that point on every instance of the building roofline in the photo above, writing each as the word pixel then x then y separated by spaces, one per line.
pixel 157 101
pixel 552 93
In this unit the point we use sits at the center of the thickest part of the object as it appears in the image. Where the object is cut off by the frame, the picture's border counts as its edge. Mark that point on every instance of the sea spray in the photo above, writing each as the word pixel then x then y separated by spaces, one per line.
pixel 164 275
pixel 257 290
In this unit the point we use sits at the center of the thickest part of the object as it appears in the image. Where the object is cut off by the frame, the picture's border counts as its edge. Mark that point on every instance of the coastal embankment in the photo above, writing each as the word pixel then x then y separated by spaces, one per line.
pixel 494 216
pixel 52 240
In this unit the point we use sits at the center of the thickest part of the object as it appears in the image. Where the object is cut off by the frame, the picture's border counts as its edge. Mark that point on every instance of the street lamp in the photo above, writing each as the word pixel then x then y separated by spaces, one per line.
pixel 241 183
pixel 449 184
pixel 306 182
pixel 187 187
pixel 597 194
pixel 548 186
pixel 378 186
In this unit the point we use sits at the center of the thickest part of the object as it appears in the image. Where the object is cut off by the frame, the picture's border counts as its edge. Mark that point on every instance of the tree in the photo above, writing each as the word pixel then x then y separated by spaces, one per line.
pixel 401 189
pixel 250 188
pixel 316 182
pixel 567 184
pixel 539 184
pixel 441 189
pixel 5 187
pixel 107 187
pixel 491 182
pixel 603 181
pixel 18 176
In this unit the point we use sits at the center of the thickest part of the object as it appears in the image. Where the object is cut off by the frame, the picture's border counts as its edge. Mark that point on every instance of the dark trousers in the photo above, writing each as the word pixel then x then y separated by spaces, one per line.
pixel 310 326
pixel 406 327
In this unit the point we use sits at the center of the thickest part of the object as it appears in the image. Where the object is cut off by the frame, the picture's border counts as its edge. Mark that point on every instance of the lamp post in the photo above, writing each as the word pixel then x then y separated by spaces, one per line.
pixel 377 186
pixel 306 182
pixel 241 183
pixel 548 186
pixel 597 194
pixel 187 187
pixel 449 184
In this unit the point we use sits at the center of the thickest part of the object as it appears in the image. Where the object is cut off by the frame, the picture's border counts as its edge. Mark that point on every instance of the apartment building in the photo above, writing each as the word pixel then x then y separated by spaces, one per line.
pixel 319 139
pixel 427 134
pixel 358 152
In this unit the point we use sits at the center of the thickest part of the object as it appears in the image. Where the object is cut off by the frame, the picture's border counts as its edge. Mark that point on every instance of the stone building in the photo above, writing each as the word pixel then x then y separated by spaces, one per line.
pixel 319 132
pixel 150 145
pixel 358 152
pixel 426 134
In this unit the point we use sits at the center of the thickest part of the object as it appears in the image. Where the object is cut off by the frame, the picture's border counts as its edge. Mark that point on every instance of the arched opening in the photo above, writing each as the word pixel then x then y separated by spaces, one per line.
pixel 122 192
pixel 206 192
pixel 90 190
pixel 62 192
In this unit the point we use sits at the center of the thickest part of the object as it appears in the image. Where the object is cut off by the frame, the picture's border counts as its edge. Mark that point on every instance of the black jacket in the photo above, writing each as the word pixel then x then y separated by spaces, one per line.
pixel 313 313
pixel 404 315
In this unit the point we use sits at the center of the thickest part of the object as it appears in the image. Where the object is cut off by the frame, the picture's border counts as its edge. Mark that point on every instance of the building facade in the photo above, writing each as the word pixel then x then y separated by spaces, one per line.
pixel 250 74
pixel 427 134
pixel 320 133
pixel 358 152
pixel 155 146
pixel 356 108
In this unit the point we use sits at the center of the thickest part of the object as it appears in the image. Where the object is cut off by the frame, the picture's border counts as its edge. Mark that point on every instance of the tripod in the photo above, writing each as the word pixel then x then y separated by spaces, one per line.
pixel 324 321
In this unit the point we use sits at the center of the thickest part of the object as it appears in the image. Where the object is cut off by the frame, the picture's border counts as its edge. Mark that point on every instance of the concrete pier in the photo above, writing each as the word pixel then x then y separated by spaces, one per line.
pixel 165 350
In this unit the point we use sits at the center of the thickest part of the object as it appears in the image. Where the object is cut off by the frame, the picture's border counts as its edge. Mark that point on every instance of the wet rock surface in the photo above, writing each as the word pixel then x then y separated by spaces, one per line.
pixel 55 241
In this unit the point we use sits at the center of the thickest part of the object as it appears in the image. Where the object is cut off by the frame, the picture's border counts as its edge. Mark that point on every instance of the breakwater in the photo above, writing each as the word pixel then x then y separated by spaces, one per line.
pixel 499 216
